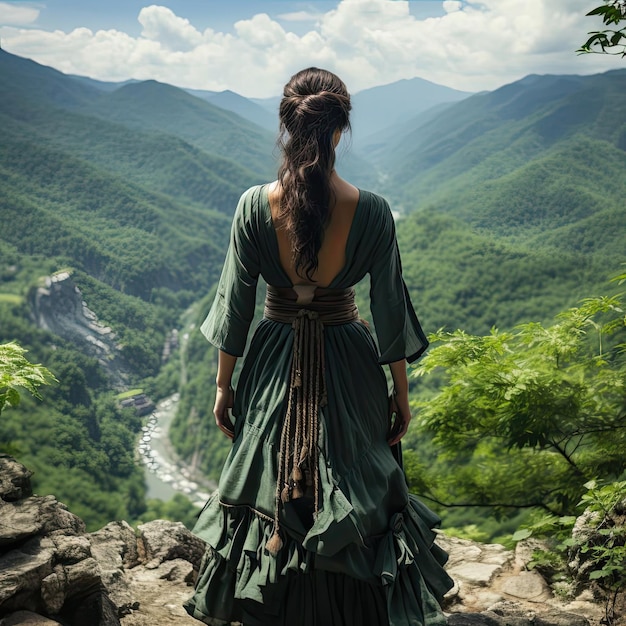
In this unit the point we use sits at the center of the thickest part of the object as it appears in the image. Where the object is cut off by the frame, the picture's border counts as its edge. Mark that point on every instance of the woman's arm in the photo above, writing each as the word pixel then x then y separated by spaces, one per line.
pixel 225 395
pixel 400 401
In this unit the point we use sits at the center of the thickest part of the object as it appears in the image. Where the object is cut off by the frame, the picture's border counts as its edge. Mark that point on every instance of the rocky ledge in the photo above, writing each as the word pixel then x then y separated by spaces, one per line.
pixel 53 572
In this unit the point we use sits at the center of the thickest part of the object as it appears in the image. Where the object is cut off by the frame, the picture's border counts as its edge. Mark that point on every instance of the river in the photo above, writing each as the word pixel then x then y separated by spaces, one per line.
pixel 166 475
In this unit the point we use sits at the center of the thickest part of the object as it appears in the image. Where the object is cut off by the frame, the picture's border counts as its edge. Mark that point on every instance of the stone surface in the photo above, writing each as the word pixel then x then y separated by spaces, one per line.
pixel 164 541
pixel 160 600
pixel 480 574
pixel 525 549
pixel 27 618
pixel 527 586
pixel 23 570
pixel 472 619
pixel 115 549
pixel 557 618
pixel 14 480
pixel 36 515
pixel 473 562
pixel 116 542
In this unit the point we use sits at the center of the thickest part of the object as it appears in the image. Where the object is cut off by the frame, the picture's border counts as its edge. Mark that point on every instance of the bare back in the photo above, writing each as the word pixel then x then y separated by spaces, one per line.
pixel 332 255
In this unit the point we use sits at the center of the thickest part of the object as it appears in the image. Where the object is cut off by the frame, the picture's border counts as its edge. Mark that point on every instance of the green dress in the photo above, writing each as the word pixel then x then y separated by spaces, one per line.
pixel 367 557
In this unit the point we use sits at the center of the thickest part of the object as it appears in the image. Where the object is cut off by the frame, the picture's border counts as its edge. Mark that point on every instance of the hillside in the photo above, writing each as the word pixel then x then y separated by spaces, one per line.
pixel 140 219
pixel 545 141
pixel 153 106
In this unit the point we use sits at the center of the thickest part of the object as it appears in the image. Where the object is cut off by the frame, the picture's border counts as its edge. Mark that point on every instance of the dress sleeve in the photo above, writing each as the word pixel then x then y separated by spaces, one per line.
pixel 399 332
pixel 227 324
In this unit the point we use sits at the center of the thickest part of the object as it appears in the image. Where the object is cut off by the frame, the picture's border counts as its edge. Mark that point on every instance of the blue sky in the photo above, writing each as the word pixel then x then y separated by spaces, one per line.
pixel 220 15
pixel 253 46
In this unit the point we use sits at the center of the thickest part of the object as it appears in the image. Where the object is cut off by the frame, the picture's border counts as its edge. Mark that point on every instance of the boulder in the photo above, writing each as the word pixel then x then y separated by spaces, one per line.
pixel 14 480
pixel 35 515
pixel 161 541
pixel 115 549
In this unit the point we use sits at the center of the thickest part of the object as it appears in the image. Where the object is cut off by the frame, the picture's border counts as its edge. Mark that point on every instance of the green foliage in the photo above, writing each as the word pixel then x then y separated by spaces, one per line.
pixel 525 417
pixel 610 41
pixel 17 372
pixel 590 550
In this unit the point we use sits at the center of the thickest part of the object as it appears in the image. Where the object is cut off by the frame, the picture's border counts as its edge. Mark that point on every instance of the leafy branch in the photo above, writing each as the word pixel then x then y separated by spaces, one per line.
pixel 17 372
pixel 609 41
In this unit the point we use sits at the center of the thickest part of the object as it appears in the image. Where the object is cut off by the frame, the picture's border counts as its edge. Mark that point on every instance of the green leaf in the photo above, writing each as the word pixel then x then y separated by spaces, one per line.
pixel 521 534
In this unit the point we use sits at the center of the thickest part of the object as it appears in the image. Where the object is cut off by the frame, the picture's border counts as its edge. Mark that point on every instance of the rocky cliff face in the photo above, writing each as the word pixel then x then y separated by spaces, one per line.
pixel 59 308
pixel 52 572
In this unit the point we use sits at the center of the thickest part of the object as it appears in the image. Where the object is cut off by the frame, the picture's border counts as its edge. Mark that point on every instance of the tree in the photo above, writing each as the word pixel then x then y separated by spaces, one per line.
pixel 609 41
pixel 525 418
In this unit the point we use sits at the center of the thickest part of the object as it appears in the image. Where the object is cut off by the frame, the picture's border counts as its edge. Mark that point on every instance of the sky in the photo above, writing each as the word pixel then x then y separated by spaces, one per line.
pixel 252 47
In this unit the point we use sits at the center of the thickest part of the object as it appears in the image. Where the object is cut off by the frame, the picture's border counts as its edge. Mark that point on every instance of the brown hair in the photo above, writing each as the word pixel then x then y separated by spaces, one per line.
pixel 315 104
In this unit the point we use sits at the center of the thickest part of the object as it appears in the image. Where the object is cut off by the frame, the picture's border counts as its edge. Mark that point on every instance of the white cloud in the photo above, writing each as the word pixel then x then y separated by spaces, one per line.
pixel 17 14
pixel 163 25
pixel 450 6
pixel 299 16
pixel 474 45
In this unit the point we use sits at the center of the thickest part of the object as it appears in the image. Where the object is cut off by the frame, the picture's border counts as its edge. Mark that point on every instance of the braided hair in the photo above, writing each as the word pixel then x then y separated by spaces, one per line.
pixel 314 106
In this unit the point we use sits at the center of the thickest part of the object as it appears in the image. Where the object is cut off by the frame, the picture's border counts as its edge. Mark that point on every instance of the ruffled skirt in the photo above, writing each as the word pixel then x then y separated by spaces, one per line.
pixel 396 578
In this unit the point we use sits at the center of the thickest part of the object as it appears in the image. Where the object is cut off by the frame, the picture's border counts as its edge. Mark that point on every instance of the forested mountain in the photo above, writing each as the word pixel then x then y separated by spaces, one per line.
pixel 534 169
pixel 245 107
pixel 512 208
pixel 154 106
pixel 379 108
pixel 141 218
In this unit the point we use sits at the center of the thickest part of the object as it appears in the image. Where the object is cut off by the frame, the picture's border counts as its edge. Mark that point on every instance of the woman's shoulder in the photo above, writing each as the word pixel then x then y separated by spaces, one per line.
pixel 252 203
pixel 252 194
pixel 375 208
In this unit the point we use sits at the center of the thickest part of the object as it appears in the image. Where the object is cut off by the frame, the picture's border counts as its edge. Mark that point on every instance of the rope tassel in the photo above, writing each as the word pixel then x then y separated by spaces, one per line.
pixel 300 432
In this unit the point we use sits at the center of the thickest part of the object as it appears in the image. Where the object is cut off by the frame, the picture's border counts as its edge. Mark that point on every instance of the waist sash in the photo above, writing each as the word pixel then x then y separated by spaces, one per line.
pixel 308 309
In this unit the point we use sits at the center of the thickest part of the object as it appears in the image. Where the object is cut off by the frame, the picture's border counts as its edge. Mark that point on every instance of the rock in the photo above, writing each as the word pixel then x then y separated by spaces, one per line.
pixel 160 600
pixel 67 582
pixel 475 564
pixel 25 567
pixel 26 618
pixel 117 542
pixel 115 548
pixel 35 515
pixel 557 618
pixel 93 609
pixel 480 574
pixel 177 570
pixel 14 480
pixel 59 308
pixel 525 549
pixel 164 541
pixel 527 586
pixel 472 619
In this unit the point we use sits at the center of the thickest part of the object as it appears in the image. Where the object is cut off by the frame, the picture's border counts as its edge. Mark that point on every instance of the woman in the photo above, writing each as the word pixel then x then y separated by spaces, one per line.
pixel 312 523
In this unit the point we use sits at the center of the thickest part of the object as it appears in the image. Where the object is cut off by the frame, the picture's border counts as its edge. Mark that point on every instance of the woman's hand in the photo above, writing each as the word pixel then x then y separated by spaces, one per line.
pixel 400 407
pixel 224 399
